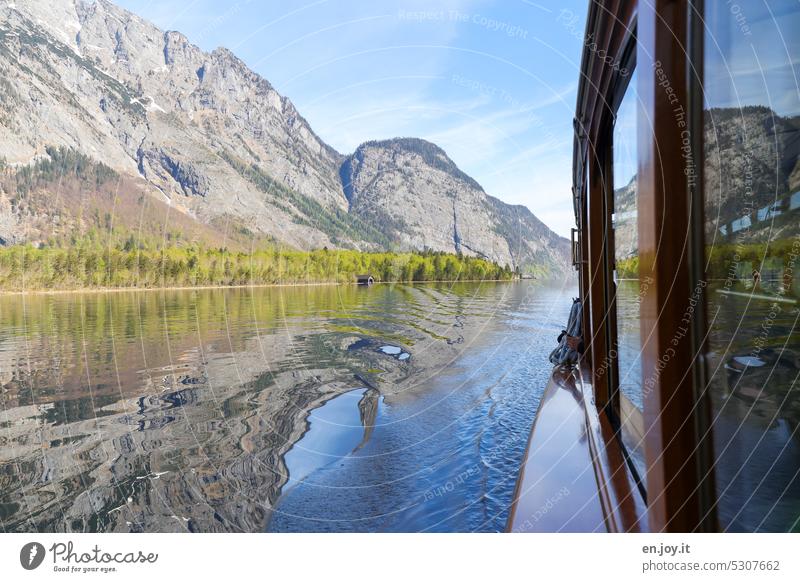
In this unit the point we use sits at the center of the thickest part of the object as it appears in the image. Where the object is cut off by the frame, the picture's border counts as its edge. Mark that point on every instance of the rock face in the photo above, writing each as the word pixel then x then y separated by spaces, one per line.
pixel 215 141
pixel 413 192
pixel 752 174
pixel 626 234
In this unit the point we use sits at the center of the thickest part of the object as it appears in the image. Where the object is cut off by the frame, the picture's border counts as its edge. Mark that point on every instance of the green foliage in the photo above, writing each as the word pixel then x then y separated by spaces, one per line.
pixel 129 264
pixel 724 259
pixel 628 268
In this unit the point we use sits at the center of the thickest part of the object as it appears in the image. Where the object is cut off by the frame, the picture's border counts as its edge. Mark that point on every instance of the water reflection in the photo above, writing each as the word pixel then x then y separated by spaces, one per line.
pixel 752 236
pixel 756 410
pixel 178 411
pixel 335 429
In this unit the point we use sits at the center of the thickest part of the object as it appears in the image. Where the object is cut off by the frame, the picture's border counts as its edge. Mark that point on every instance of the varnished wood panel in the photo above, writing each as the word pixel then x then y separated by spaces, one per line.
pixel 573 477
pixel 667 313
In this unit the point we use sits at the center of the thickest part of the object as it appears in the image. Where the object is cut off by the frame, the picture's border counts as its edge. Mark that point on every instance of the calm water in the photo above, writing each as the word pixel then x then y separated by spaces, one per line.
pixel 393 408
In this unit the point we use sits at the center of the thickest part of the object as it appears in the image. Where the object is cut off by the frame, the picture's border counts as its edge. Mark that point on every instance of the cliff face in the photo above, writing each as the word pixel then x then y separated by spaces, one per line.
pixel 213 140
pixel 626 236
pixel 412 191
pixel 752 169
pixel 98 79
pixel 751 173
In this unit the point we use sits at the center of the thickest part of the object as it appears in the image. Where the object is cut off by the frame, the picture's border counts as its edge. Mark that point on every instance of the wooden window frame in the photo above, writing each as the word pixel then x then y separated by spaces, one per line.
pixel 620 85
pixel 679 481
pixel 676 408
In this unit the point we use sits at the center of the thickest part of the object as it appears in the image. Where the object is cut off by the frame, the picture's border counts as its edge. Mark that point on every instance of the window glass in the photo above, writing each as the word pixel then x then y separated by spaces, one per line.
pixel 626 276
pixel 752 229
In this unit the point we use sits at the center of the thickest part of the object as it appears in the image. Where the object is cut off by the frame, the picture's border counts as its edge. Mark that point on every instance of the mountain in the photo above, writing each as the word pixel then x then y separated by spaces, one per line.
pixel 197 137
pixel 751 179
pixel 752 174
pixel 626 235
pixel 415 194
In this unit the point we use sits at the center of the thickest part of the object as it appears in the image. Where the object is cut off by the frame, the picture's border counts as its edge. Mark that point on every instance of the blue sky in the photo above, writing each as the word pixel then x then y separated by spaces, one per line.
pixel 493 82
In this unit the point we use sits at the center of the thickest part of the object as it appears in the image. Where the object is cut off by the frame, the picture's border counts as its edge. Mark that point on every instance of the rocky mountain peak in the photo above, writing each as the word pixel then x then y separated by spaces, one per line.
pixel 430 153
pixel 178 51
pixel 414 192
pixel 215 140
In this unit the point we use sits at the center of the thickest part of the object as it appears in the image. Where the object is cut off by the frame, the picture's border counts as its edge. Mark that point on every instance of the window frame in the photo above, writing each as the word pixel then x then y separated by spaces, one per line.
pixel 620 84
pixel 676 450
pixel 679 479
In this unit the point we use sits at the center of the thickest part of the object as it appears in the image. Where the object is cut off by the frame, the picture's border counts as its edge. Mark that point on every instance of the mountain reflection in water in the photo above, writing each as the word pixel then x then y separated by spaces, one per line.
pixel 180 410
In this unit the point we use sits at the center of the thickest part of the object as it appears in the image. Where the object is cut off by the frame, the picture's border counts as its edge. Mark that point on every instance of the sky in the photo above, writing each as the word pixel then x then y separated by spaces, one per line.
pixel 493 82
pixel 763 70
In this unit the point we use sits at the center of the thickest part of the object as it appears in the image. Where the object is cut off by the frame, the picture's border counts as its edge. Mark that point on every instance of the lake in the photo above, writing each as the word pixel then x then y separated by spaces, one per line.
pixel 330 408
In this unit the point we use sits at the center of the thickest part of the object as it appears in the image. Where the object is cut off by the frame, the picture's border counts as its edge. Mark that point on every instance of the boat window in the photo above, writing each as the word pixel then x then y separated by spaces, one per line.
pixel 752 271
pixel 626 276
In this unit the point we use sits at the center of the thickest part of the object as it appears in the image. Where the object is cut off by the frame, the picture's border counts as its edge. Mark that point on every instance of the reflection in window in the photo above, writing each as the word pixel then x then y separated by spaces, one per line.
pixel 752 177
pixel 626 276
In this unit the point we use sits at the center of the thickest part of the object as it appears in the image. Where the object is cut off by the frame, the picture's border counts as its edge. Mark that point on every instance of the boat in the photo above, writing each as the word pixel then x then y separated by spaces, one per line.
pixel 680 412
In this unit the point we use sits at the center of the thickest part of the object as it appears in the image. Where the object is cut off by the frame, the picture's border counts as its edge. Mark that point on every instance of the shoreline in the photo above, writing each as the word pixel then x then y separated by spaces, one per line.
pixel 250 286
